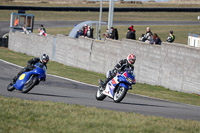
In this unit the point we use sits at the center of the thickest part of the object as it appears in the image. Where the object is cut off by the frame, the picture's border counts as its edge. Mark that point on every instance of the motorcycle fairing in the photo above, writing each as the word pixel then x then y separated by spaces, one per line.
pixel 22 80
pixel 110 87
pixel 115 81
pixel 25 76
pixel 124 85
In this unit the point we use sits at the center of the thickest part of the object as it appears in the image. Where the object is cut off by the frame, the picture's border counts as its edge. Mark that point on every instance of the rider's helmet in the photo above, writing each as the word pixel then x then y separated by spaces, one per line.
pixel 131 59
pixel 44 59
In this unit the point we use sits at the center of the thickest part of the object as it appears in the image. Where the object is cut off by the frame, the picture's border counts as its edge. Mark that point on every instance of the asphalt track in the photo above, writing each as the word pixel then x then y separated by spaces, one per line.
pixel 4 25
pixel 57 89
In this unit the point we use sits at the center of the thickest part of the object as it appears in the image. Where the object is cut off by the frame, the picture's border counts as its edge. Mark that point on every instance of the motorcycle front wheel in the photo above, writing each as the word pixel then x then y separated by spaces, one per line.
pixel 119 94
pixel 10 87
pixel 29 84
pixel 99 95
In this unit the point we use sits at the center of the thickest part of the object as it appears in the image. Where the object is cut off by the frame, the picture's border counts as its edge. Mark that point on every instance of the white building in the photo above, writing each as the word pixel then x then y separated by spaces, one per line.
pixel 194 40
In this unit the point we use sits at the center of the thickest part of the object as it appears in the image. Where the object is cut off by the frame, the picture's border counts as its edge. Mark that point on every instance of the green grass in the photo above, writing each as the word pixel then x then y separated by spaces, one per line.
pixel 92 78
pixel 24 116
pixel 118 16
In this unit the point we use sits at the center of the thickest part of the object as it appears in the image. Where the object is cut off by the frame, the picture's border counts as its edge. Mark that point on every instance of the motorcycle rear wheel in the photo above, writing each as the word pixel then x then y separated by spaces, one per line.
pixel 99 95
pixel 119 94
pixel 10 87
pixel 29 84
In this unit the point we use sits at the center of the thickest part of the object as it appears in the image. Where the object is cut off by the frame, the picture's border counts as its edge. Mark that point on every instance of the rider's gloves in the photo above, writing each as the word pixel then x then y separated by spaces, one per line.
pixel 28 64
pixel 114 71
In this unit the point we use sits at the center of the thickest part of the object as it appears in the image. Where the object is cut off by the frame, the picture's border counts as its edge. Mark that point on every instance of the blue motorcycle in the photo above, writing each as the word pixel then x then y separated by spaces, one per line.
pixel 28 80
pixel 117 87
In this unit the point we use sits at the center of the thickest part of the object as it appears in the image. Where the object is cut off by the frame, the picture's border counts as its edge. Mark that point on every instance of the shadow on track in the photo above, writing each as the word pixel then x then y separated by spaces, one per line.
pixel 52 95
pixel 149 105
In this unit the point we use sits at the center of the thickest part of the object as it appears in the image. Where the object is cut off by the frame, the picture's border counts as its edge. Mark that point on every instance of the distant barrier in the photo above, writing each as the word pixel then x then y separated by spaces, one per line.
pixel 174 66
pixel 4 42
pixel 96 9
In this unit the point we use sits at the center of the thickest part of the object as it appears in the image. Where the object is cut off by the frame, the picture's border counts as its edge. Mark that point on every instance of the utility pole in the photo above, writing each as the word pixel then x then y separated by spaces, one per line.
pixel 100 19
pixel 110 15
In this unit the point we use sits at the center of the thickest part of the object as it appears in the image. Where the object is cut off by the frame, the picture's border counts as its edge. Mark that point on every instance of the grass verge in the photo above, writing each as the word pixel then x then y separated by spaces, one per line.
pixel 94 16
pixel 19 116
pixel 92 78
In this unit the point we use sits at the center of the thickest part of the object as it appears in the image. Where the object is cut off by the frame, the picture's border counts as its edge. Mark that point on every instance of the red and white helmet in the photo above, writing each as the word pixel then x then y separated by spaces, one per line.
pixel 131 59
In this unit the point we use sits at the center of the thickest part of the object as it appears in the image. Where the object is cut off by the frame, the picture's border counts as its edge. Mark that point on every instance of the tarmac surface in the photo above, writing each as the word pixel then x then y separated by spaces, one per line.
pixel 57 89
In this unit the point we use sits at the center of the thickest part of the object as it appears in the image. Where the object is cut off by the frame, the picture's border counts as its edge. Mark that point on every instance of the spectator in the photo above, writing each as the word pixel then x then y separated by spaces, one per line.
pixel 42 28
pixel 16 22
pixel 42 31
pixel 147 36
pixel 171 37
pixel 148 33
pixel 132 28
pixel 90 32
pixel 156 39
pixel 130 34
pixel 85 28
pixel 106 34
pixel 149 40
pixel 114 33
pixel 79 33
pixel 25 30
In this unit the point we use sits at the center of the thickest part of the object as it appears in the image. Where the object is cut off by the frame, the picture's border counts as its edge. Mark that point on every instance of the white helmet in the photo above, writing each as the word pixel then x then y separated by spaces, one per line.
pixel 44 59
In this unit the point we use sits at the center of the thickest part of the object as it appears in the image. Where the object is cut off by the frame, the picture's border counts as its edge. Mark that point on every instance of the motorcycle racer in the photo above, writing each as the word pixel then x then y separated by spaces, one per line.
pixel 30 65
pixel 120 67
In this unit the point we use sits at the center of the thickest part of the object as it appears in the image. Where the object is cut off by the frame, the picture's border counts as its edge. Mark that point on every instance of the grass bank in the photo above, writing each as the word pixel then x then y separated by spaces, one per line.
pixel 92 78
pixel 118 16
pixel 19 116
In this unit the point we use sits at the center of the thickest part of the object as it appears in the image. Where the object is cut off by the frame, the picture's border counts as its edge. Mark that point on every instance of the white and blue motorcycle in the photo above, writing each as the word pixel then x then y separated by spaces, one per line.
pixel 117 87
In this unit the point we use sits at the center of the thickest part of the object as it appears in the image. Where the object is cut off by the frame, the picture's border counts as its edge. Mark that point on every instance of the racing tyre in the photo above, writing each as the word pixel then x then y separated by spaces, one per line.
pixel 119 94
pixel 30 83
pixel 99 95
pixel 10 87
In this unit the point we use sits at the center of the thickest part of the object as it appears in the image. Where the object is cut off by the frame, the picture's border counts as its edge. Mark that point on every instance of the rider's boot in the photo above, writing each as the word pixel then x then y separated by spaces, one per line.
pixel 14 80
pixel 101 84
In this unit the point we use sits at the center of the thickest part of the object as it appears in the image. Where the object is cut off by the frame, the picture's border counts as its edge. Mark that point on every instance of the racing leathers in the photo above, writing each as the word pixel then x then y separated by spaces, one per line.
pixel 120 67
pixel 30 66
